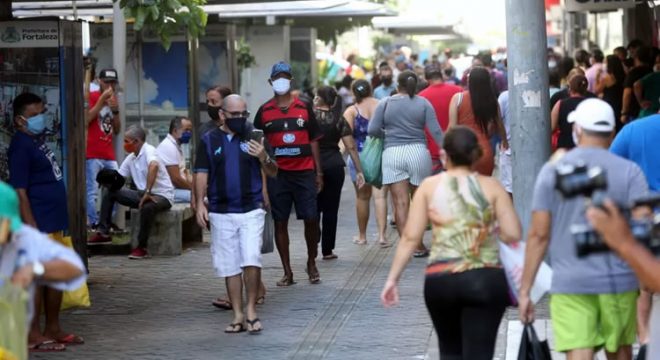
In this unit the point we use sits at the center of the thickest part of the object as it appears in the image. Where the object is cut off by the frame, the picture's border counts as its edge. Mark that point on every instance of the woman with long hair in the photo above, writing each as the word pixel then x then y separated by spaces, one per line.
pixel 465 290
pixel 327 109
pixel 357 117
pixel 609 86
pixel 577 90
pixel 401 119
pixel 479 110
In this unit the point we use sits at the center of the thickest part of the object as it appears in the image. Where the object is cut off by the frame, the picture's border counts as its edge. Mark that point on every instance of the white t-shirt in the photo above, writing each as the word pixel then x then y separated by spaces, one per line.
pixel 137 168
pixel 169 152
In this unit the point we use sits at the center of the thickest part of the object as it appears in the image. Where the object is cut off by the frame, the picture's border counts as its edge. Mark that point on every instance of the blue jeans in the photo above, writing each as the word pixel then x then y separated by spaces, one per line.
pixel 182 196
pixel 93 166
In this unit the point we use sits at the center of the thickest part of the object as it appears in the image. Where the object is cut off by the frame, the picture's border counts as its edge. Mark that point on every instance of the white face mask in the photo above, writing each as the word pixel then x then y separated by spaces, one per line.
pixel 281 86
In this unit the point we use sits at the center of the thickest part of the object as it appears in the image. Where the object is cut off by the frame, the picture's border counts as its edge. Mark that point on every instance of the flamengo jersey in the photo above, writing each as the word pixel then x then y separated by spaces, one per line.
pixel 290 133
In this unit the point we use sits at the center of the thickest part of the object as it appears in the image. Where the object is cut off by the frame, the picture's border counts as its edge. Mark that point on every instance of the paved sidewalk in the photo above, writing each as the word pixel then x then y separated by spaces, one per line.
pixel 160 308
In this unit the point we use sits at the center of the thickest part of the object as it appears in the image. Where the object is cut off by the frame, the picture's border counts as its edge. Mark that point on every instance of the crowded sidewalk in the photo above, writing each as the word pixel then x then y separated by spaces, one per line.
pixel 161 308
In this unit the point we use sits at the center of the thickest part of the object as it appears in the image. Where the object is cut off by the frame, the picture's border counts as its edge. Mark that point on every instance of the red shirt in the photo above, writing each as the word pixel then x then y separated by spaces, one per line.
pixel 290 133
pixel 439 95
pixel 100 132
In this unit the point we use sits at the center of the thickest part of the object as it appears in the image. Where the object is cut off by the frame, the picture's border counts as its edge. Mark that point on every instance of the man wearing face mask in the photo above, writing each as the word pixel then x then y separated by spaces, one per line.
pixel 171 155
pixel 154 193
pixel 291 128
pixel 37 177
pixel 387 85
pixel 102 124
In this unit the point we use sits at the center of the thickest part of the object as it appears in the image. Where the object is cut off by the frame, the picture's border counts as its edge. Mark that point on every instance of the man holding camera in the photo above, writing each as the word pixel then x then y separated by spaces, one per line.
pixel 593 301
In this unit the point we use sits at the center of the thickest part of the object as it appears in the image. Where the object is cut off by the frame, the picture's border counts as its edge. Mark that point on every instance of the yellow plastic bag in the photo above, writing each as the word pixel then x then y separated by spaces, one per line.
pixel 76 298
pixel 13 322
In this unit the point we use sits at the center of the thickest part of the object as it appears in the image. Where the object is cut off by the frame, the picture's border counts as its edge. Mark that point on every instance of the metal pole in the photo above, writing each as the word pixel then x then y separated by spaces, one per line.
pixel 528 98
pixel 119 63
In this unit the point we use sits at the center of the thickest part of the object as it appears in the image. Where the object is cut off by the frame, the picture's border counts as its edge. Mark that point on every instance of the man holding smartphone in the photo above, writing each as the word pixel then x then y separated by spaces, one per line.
pixel 228 167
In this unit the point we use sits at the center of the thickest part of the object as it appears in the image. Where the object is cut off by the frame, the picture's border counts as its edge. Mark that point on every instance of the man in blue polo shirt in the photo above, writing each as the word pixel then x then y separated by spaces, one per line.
pixel 387 83
pixel 229 172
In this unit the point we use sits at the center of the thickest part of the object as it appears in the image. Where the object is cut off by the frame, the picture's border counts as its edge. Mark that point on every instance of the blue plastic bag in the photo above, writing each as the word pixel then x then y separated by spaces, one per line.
pixel 371 159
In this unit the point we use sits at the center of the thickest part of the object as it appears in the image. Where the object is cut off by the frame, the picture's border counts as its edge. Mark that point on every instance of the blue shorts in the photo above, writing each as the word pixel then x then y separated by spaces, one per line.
pixel 293 187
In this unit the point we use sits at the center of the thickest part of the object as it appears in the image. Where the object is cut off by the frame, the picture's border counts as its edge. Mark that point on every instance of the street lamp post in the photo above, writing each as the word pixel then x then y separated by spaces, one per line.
pixel 529 111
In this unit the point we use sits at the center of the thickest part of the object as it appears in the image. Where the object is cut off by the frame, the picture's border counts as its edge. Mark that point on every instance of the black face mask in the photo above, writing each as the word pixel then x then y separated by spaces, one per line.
pixel 237 125
pixel 387 81
pixel 214 112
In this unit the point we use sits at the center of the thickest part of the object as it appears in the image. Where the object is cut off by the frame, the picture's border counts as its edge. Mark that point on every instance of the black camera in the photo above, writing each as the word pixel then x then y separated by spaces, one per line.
pixel 591 182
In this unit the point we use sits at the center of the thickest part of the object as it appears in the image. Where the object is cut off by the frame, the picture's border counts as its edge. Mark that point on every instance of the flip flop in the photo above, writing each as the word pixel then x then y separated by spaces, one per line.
pixel 314 278
pixel 71 339
pixel 261 300
pixel 421 254
pixel 286 281
pixel 357 241
pixel 47 346
pixel 384 244
pixel 253 331
pixel 330 257
pixel 222 304
pixel 234 330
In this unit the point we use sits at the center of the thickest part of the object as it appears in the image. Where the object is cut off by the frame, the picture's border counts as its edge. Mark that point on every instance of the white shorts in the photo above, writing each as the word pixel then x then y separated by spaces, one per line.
pixel 236 241
pixel 411 161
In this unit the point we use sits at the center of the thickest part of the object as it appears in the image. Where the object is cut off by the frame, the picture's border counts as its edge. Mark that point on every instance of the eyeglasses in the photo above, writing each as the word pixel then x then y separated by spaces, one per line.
pixel 237 114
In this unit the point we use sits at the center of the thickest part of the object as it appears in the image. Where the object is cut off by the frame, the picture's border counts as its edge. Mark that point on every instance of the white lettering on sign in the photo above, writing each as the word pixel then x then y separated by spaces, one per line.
pixel 29 34
pixel 597 5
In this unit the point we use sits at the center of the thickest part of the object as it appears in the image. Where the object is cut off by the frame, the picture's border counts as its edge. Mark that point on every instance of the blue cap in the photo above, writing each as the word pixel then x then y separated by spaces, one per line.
pixel 279 68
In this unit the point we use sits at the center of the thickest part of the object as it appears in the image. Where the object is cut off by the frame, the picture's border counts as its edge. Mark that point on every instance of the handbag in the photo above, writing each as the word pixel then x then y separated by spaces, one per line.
pixel 267 245
pixel 512 257
pixel 531 348
pixel 371 159
pixel 75 298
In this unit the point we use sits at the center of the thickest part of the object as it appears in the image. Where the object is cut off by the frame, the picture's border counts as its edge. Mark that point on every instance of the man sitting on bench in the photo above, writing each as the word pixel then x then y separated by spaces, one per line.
pixel 155 191
pixel 171 155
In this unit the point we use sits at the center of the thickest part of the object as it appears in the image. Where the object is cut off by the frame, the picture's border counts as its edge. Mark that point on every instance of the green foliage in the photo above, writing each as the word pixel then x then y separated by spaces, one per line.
pixel 244 56
pixel 166 17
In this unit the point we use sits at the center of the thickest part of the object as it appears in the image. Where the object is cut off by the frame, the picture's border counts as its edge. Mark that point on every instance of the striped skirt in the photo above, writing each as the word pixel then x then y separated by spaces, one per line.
pixel 406 162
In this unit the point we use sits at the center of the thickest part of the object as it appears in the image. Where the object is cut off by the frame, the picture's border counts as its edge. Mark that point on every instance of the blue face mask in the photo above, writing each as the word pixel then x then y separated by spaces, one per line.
pixel 36 124
pixel 185 137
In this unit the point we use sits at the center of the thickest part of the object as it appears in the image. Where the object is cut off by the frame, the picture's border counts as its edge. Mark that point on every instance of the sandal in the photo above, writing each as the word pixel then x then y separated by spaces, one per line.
pixel 261 300
pixel 330 257
pixel 421 253
pixel 254 331
pixel 286 281
pixel 384 244
pixel 71 339
pixel 357 241
pixel 222 304
pixel 235 328
pixel 47 346
pixel 314 278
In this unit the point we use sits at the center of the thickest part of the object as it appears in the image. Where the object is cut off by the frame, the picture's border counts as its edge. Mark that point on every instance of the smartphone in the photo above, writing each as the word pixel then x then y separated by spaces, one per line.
pixel 257 135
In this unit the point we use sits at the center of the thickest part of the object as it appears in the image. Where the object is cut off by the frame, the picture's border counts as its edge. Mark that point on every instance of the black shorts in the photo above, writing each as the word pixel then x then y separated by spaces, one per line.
pixel 291 187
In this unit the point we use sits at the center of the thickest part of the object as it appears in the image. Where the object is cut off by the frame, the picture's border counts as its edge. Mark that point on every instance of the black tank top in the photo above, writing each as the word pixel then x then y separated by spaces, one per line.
pixel 565 140
pixel 613 95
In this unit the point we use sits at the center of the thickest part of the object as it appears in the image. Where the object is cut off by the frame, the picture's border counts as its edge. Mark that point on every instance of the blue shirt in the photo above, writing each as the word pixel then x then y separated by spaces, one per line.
pixel 383 91
pixel 638 142
pixel 234 176
pixel 33 167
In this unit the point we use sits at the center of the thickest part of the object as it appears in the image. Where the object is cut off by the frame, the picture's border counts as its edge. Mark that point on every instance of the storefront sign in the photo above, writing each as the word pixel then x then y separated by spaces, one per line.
pixel 597 5
pixel 29 34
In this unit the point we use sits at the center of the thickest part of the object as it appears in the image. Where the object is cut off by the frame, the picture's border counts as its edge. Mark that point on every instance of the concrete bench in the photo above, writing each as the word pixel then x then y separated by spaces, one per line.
pixel 169 231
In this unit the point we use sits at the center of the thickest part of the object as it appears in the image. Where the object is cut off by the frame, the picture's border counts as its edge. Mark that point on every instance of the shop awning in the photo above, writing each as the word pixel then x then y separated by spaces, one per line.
pixel 414 26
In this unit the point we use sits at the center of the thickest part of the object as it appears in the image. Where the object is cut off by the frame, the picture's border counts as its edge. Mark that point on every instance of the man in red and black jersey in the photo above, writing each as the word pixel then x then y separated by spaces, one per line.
pixel 292 130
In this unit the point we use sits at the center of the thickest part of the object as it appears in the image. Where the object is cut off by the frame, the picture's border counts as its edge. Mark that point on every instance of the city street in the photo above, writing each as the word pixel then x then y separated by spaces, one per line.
pixel 160 308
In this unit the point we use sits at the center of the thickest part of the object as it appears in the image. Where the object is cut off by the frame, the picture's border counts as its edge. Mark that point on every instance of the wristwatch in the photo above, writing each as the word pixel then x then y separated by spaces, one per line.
pixel 268 160
pixel 38 269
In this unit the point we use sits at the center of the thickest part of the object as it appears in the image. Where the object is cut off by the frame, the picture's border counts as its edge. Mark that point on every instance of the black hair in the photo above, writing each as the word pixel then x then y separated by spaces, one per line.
pixel 565 66
pixel 582 57
pixel 600 134
pixel 598 55
pixel 554 78
pixel 383 64
pixel 462 146
pixel 433 73
pixel 176 123
pixel 361 90
pixel 486 59
pixel 484 102
pixel 347 81
pixel 645 55
pixel 329 96
pixel 634 44
pixel 408 80
pixel 24 100
pixel 222 90
pixel 615 67
pixel 620 49
pixel 422 85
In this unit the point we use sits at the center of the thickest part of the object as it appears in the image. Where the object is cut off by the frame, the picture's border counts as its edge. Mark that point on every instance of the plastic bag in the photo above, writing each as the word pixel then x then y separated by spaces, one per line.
pixel 531 348
pixel 268 246
pixel 371 159
pixel 513 260
pixel 75 298
pixel 13 321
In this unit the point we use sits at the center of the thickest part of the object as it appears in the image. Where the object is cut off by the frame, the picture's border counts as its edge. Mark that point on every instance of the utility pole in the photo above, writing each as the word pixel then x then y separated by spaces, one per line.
pixel 119 63
pixel 528 98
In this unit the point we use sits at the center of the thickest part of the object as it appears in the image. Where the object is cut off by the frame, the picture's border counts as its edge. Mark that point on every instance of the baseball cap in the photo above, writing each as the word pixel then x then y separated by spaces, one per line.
pixel 108 75
pixel 9 206
pixel 593 115
pixel 279 68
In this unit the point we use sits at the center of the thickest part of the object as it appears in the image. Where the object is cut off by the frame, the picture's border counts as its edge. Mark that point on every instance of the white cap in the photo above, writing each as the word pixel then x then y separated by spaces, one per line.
pixel 593 115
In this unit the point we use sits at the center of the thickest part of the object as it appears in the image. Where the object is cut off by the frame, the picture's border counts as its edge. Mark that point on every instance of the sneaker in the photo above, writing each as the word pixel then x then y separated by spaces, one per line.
pixel 138 253
pixel 100 239
pixel 114 229
pixel 93 227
